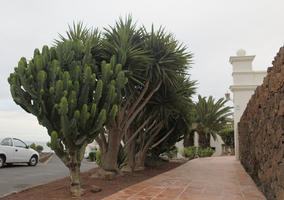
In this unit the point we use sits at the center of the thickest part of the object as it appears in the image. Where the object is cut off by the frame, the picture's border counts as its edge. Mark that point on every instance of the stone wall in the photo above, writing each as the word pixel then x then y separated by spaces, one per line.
pixel 261 132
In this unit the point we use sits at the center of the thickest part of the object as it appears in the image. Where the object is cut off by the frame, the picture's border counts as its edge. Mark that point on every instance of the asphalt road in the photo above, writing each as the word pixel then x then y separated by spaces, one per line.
pixel 19 177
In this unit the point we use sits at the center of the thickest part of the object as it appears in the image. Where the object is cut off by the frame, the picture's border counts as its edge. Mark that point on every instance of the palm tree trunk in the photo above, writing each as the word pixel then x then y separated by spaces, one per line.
pixel 189 140
pixel 204 140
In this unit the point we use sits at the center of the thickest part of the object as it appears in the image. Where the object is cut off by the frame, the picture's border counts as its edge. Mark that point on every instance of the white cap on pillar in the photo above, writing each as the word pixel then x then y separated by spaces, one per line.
pixel 241 52
pixel 242 62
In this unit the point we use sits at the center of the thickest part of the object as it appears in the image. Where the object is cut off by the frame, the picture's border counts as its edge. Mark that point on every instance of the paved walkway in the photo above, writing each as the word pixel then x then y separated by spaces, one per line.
pixel 215 178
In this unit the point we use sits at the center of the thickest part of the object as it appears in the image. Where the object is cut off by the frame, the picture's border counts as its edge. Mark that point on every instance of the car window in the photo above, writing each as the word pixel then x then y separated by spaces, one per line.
pixel 7 142
pixel 19 143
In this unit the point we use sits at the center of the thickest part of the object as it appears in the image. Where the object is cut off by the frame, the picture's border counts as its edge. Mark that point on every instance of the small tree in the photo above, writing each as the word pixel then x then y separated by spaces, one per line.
pixel 70 93
pixel 227 136
pixel 211 117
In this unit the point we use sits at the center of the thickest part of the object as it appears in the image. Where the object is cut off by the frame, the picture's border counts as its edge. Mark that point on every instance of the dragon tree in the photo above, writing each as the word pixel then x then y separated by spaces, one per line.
pixel 152 60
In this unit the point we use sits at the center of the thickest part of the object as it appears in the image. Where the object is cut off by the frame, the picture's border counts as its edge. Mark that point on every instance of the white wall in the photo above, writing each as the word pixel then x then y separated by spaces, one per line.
pixel 245 81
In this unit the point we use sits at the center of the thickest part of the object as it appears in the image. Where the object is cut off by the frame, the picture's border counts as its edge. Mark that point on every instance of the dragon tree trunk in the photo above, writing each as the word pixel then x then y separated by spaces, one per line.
pixel 130 158
pixel 140 160
pixel 109 163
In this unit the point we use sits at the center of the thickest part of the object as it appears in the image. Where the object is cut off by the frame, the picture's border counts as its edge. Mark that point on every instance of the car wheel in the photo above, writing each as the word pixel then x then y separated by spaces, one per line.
pixel 2 161
pixel 33 161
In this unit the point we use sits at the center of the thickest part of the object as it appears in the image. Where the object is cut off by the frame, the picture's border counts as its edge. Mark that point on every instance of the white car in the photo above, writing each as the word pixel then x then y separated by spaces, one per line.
pixel 13 150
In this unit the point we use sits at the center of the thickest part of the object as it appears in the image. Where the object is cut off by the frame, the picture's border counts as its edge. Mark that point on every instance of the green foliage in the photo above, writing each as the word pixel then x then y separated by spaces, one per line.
pixel 227 136
pixel 79 86
pixel 33 146
pixel 92 156
pixel 37 148
pixel 172 153
pixel 190 152
pixel 174 106
pixel 99 158
pixel 154 61
pixel 207 152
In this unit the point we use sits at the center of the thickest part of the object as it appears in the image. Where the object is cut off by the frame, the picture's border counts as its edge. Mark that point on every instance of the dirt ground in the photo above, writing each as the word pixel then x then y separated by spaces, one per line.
pixel 60 189
pixel 44 157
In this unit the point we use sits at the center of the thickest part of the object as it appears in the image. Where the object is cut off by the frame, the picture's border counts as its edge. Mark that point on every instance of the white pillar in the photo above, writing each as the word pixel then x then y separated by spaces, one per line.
pixel 245 81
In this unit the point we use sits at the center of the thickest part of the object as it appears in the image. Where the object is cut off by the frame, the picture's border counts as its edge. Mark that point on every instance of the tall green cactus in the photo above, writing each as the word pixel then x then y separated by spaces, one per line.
pixel 71 95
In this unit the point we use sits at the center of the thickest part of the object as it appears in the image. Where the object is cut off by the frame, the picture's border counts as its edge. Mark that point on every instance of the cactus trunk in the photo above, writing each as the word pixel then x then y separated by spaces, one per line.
pixel 75 180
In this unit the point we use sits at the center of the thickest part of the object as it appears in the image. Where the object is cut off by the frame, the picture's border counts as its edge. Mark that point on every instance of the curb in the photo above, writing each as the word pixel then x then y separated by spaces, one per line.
pixel 15 192
pixel 47 161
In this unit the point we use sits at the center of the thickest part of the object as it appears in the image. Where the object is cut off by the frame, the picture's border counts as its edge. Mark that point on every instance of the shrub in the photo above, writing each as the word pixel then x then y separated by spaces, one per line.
pixel 92 156
pixel 207 152
pixel 189 152
pixel 172 153
pixel 227 136
pixel 39 148
pixel 33 146
pixel 98 158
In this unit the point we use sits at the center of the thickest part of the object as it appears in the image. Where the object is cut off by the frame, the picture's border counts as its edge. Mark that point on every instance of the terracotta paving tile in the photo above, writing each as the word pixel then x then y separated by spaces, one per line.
pixel 151 191
pixel 233 197
pixel 193 191
pixel 215 178
pixel 199 197
pixel 140 197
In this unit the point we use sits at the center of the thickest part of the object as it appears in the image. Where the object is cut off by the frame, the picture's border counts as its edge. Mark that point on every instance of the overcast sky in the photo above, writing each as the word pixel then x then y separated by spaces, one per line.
pixel 212 30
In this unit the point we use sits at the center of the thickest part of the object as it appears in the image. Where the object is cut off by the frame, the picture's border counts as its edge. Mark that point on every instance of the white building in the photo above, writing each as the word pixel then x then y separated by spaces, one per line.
pixel 245 81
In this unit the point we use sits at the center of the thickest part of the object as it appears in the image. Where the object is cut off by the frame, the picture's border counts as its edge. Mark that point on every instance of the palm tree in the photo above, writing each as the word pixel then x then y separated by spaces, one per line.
pixel 211 117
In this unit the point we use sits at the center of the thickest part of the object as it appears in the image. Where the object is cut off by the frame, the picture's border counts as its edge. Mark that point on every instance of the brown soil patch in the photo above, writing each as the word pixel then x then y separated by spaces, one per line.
pixel 44 157
pixel 60 189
